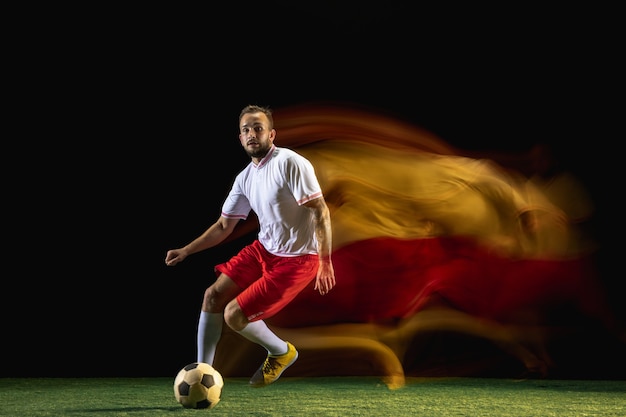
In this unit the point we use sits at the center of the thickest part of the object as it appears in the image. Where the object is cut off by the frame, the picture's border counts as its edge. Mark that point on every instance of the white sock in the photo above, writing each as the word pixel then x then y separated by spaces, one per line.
pixel 209 333
pixel 258 332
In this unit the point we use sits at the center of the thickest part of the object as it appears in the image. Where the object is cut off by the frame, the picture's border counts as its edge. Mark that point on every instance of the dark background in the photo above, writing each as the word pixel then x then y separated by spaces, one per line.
pixel 125 144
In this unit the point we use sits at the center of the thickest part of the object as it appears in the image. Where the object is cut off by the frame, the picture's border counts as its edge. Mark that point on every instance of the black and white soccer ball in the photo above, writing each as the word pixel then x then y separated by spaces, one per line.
pixel 198 385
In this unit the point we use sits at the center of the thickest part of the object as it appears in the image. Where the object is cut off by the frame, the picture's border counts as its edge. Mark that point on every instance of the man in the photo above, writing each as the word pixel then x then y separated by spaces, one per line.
pixel 293 247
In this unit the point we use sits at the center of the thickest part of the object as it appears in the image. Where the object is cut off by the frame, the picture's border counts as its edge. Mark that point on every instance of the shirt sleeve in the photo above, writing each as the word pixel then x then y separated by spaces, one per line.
pixel 236 205
pixel 302 180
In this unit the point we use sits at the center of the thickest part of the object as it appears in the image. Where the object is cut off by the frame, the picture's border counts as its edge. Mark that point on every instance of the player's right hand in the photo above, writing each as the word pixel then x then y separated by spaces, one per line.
pixel 174 256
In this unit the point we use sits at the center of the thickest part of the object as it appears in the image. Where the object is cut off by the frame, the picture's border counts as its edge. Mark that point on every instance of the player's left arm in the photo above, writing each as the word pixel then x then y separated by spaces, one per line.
pixel 325 279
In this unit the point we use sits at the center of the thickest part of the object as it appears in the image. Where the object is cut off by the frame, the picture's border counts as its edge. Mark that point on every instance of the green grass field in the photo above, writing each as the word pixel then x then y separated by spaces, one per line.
pixel 318 397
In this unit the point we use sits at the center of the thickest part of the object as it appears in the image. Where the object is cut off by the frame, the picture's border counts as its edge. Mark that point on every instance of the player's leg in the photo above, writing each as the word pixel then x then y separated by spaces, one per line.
pixel 280 353
pixel 282 280
pixel 211 320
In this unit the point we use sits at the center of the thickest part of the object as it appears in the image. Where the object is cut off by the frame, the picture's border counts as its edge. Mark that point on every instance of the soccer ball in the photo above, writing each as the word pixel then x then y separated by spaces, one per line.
pixel 198 385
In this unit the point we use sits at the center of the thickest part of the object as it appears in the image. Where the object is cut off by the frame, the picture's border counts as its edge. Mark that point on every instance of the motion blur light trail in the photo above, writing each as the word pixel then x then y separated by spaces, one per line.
pixel 418 226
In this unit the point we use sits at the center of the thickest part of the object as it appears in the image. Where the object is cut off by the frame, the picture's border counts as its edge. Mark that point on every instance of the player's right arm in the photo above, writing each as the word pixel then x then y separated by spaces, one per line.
pixel 212 236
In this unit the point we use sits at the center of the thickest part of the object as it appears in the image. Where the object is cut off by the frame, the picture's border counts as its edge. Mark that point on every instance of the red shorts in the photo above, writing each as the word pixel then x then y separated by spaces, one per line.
pixel 269 282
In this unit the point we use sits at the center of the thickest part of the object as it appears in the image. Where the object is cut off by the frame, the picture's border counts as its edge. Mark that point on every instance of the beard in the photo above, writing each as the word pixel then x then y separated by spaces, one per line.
pixel 259 152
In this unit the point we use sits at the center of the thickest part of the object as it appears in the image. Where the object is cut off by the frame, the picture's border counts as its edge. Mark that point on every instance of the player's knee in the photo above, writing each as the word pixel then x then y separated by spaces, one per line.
pixel 213 300
pixel 234 317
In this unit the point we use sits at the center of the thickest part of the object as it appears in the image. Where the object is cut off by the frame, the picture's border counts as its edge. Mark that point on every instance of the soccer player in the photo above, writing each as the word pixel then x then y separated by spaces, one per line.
pixel 292 248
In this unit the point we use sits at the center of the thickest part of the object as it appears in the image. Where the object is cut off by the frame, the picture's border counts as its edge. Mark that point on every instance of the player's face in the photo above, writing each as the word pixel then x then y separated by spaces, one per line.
pixel 255 135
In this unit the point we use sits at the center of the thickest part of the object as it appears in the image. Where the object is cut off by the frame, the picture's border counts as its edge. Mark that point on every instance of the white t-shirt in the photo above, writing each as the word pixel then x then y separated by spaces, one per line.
pixel 276 189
